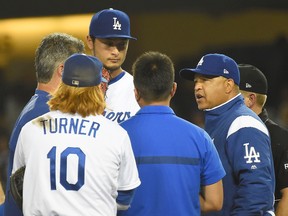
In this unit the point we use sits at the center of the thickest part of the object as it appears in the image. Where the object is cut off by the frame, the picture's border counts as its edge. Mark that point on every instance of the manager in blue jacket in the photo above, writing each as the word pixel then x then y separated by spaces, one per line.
pixel 241 138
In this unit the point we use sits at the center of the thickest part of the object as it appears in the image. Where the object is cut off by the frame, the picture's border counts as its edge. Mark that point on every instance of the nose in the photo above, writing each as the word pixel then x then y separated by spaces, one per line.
pixel 115 50
pixel 197 86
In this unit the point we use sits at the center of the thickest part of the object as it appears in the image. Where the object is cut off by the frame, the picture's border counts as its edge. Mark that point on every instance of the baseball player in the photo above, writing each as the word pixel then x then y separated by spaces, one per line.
pixel 51 53
pixel 108 40
pixel 77 161
pixel 241 138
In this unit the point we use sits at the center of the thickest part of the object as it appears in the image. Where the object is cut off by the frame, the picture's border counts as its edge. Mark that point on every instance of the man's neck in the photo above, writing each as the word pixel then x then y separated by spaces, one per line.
pixel 115 73
pixel 46 87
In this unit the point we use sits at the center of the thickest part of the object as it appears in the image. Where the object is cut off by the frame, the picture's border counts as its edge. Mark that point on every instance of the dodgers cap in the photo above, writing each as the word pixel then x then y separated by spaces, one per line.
pixel 214 65
pixel 252 79
pixel 110 23
pixel 82 70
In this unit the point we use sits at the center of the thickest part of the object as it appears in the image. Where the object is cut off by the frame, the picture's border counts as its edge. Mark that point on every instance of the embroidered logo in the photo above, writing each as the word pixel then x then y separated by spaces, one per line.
pixel 286 166
pixel 75 82
pixel 247 85
pixel 201 61
pixel 225 71
pixel 250 154
pixel 117 24
pixel 253 167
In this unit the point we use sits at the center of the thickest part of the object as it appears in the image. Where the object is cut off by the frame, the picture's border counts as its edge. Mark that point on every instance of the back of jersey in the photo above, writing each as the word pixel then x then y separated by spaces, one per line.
pixel 74 165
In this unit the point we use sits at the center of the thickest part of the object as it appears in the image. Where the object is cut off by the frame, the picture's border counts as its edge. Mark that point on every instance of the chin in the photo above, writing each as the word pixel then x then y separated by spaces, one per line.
pixel 112 68
pixel 201 107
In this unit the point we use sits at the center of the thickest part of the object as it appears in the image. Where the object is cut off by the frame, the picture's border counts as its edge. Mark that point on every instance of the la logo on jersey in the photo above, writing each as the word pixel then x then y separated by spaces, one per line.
pixel 117 24
pixel 250 154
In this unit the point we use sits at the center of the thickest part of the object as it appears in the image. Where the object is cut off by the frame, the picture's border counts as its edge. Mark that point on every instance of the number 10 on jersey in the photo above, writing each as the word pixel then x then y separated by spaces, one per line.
pixel 63 168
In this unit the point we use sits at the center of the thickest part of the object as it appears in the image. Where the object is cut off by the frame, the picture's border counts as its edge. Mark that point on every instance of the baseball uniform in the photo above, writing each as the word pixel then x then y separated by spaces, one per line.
pixel 74 165
pixel 120 98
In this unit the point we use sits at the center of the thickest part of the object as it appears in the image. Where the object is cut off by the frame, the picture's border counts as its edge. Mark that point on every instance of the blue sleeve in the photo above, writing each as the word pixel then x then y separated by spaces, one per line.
pixel 213 170
pixel 249 154
pixel 35 107
pixel 125 197
pixel 2 209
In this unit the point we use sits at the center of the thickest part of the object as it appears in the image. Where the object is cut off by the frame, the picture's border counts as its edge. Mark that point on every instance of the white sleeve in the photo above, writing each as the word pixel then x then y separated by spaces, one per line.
pixel 18 155
pixel 128 174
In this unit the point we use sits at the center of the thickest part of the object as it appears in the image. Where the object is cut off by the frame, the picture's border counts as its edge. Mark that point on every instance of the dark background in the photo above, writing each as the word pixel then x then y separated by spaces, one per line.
pixel 270 56
pixel 28 8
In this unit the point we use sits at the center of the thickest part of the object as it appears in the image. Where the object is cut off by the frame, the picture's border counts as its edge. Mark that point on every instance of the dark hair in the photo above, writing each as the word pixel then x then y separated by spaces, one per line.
pixel 153 76
pixel 53 50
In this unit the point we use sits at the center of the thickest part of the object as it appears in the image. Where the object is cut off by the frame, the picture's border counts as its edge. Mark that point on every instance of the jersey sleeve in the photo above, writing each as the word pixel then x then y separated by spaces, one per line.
pixel 249 154
pixel 18 155
pixel 128 174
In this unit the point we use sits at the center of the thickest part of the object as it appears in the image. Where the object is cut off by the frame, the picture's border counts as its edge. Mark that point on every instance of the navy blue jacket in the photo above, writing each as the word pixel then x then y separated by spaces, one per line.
pixel 243 144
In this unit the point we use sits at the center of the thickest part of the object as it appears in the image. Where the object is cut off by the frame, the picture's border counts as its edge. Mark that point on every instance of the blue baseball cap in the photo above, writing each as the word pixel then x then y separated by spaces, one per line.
pixel 82 70
pixel 214 65
pixel 110 23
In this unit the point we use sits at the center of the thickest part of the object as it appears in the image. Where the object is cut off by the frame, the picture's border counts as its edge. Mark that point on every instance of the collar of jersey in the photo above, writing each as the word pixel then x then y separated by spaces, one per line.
pixel 118 77
pixel 41 92
pixel 155 109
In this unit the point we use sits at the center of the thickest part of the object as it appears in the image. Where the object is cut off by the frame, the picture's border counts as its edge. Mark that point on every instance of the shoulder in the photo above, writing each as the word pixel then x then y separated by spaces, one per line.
pixel 108 124
pixel 128 77
pixel 246 121
pixel 35 107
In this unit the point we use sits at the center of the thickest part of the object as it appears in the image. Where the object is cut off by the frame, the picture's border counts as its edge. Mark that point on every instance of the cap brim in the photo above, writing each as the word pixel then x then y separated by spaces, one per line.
pixel 116 36
pixel 188 73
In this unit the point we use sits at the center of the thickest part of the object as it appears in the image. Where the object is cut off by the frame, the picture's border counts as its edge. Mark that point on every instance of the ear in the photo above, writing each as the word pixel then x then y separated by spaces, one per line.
pixel 60 69
pixel 89 42
pixel 137 94
pixel 229 84
pixel 251 99
pixel 173 90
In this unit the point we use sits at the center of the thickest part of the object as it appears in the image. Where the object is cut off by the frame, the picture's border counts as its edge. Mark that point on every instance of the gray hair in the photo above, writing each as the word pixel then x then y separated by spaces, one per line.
pixel 53 50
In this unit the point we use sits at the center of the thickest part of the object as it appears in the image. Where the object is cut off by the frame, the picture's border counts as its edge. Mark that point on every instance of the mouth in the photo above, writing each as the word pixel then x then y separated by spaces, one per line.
pixel 198 96
pixel 114 60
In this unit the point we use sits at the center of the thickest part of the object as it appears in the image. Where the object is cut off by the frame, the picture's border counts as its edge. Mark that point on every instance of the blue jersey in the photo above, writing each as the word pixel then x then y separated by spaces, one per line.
pixel 174 158
pixel 34 108
pixel 243 144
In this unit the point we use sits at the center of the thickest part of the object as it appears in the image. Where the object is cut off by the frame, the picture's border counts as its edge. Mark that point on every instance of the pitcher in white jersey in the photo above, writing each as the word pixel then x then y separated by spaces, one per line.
pixel 108 40
pixel 77 161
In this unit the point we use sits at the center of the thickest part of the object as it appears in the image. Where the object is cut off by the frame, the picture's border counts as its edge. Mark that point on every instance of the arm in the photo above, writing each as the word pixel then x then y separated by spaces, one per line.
pixel 211 198
pixel 128 178
pixel 124 199
pixel 249 154
pixel 282 208
pixel 2 195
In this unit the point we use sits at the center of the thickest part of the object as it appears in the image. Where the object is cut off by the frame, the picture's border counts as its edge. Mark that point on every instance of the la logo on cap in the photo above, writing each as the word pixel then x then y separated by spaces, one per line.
pixel 117 24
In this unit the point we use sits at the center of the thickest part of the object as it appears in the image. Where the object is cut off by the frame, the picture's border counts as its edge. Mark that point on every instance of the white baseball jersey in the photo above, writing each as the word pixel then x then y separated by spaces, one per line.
pixel 74 165
pixel 120 98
